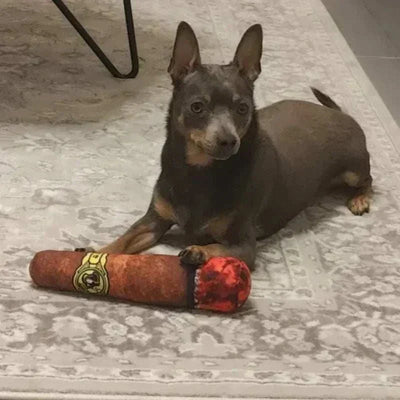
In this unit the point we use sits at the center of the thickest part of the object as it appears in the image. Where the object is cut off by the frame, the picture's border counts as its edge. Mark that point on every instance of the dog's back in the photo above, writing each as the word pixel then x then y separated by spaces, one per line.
pixel 314 145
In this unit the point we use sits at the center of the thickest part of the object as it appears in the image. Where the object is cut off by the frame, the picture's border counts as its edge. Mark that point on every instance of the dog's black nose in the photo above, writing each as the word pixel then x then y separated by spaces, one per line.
pixel 227 142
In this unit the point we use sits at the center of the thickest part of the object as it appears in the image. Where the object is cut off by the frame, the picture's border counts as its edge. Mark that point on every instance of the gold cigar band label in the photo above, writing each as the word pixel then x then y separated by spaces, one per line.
pixel 91 276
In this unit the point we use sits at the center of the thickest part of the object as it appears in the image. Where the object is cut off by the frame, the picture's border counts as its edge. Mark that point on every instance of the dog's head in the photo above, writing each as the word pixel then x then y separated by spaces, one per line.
pixel 213 105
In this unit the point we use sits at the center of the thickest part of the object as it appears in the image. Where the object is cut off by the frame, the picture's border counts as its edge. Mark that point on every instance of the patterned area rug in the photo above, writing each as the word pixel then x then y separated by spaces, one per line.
pixel 79 154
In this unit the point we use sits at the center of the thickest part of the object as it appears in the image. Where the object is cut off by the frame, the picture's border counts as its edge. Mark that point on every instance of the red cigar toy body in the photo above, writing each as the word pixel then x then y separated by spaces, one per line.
pixel 222 284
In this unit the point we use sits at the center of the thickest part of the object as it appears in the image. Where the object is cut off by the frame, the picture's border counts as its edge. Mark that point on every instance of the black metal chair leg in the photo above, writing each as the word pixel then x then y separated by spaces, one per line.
pixel 96 49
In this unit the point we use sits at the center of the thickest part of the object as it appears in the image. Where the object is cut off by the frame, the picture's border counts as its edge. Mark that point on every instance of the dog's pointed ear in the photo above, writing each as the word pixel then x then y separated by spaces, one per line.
pixel 186 54
pixel 248 53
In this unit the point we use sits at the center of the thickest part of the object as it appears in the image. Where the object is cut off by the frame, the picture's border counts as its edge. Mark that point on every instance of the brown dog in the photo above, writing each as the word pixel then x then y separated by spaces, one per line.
pixel 231 174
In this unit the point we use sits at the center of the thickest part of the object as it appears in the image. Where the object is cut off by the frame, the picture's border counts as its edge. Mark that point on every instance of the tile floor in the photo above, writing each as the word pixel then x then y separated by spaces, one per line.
pixel 372 29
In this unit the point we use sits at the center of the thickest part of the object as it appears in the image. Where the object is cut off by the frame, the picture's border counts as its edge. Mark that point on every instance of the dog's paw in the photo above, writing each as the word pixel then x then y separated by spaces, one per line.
pixel 193 255
pixel 85 249
pixel 359 205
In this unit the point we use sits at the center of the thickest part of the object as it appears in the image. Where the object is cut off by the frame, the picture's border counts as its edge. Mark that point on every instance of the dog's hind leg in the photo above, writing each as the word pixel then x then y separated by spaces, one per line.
pixel 359 202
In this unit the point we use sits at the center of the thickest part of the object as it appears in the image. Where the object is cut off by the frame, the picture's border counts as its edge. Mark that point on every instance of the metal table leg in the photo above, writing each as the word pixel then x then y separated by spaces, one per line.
pixel 96 49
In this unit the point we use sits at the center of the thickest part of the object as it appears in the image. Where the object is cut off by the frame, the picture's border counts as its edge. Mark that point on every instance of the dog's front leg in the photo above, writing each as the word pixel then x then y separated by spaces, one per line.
pixel 141 235
pixel 236 239
pixel 146 231
pixel 197 255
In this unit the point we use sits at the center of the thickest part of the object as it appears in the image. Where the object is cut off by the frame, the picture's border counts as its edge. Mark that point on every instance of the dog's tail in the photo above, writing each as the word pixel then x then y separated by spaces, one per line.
pixel 325 100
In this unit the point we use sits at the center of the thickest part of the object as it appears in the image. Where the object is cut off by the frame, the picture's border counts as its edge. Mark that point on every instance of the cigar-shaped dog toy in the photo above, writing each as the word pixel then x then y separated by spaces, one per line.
pixel 221 284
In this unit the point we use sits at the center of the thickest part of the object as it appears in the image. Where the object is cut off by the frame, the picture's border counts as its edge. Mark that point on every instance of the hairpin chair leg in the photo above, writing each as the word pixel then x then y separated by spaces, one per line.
pixel 94 46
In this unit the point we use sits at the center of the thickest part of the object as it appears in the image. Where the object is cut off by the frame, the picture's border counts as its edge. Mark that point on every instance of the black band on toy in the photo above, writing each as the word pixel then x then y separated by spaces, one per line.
pixel 191 275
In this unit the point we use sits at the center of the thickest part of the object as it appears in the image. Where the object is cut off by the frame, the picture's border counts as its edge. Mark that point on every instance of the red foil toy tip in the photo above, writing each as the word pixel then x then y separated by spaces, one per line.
pixel 222 284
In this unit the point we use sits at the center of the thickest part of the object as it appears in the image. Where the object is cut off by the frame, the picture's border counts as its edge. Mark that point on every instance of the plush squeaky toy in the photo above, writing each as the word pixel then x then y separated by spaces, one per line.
pixel 222 284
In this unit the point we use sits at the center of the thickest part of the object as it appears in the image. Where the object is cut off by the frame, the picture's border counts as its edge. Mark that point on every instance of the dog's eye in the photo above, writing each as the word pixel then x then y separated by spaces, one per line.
pixel 243 108
pixel 197 107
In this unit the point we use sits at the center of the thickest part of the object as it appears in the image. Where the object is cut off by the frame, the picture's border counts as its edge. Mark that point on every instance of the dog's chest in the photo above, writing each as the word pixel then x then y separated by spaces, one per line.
pixel 193 212
pixel 200 212
pixel 202 197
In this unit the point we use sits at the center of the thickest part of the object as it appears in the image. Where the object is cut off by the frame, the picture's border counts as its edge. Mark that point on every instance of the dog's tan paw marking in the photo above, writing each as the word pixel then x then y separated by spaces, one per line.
pixel 193 255
pixel 359 204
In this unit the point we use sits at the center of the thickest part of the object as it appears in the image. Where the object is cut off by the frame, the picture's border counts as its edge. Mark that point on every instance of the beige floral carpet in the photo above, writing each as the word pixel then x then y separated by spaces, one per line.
pixel 79 153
